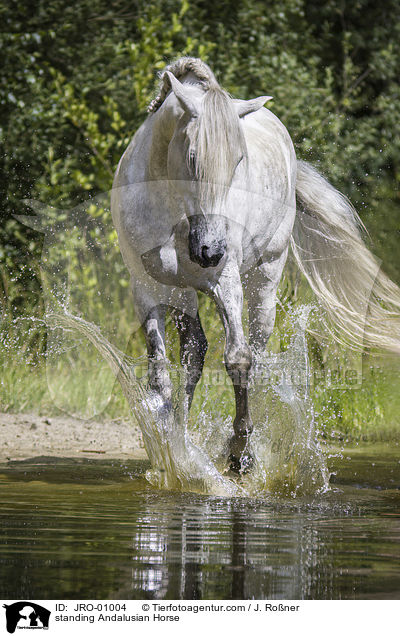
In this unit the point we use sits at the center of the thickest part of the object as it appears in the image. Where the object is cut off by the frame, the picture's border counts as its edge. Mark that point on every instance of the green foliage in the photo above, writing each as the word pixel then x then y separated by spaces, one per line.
pixel 75 83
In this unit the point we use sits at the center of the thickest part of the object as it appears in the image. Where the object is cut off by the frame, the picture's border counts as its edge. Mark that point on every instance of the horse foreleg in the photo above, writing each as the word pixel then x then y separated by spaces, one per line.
pixel 193 349
pixel 260 290
pixel 153 324
pixel 154 331
pixel 228 296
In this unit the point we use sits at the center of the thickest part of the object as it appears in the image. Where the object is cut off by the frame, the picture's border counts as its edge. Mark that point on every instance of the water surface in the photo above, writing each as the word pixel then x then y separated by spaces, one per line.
pixel 96 529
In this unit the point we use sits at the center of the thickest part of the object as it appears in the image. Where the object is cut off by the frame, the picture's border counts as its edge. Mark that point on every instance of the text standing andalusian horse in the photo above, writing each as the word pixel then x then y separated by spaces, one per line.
pixel 204 198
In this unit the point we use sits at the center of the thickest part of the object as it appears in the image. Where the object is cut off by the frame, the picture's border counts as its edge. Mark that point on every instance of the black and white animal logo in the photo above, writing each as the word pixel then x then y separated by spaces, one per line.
pixel 26 615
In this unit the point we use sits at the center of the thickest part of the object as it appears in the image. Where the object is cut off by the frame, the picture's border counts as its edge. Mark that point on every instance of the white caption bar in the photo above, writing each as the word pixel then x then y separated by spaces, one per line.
pixel 176 617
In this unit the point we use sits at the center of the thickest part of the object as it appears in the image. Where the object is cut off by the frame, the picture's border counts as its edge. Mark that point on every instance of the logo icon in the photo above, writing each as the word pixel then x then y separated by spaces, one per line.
pixel 26 615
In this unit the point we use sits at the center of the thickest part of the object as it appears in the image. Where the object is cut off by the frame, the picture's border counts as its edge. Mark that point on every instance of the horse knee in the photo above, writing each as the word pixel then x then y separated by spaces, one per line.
pixel 238 358
pixel 238 363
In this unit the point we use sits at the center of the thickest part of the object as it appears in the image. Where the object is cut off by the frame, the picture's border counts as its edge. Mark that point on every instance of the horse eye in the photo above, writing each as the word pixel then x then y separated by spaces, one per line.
pixel 192 159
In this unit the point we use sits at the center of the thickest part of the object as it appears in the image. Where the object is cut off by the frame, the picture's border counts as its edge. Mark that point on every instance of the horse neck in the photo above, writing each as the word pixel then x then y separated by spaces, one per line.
pixel 163 124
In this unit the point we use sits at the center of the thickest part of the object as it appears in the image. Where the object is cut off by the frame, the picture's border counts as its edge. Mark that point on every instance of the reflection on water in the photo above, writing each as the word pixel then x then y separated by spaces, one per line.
pixel 97 529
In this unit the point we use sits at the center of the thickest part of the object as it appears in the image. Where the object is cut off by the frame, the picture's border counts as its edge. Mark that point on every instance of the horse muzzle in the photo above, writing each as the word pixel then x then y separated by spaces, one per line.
pixel 208 255
pixel 207 242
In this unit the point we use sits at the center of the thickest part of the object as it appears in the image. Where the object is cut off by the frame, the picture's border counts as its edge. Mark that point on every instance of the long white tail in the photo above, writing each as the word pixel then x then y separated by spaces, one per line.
pixel 362 304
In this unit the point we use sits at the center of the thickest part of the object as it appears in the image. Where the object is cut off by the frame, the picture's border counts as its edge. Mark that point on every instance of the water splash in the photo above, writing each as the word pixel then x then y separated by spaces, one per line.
pixel 288 460
pixel 177 463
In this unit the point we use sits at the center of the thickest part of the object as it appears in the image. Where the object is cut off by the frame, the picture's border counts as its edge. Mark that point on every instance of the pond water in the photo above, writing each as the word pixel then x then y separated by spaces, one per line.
pixel 96 529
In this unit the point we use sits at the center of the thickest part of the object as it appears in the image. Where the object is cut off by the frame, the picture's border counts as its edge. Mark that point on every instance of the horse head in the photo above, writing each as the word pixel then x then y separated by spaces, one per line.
pixel 206 149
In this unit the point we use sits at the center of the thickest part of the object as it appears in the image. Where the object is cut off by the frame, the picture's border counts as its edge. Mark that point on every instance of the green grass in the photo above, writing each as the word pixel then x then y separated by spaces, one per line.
pixel 81 384
pixel 370 412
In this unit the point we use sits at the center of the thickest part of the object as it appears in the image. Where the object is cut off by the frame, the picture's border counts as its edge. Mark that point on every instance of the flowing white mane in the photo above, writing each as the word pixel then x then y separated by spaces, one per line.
pixel 218 134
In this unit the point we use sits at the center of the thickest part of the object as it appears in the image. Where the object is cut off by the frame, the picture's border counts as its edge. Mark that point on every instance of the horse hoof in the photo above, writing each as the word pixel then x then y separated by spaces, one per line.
pixel 242 464
pixel 240 457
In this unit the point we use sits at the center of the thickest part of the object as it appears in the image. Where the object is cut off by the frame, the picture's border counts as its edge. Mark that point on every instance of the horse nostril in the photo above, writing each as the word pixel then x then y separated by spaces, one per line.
pixel 211 256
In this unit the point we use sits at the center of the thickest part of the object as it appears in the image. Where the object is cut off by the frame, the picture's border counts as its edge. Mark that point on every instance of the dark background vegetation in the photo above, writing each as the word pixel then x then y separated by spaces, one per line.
pixel 76 79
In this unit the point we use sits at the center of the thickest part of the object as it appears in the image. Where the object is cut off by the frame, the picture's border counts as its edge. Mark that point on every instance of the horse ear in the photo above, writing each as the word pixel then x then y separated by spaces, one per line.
pixel 246 106
pixel 181 94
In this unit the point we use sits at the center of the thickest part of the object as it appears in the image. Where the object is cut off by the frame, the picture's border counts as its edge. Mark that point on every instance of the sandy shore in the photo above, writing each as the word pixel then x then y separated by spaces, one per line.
pixel 24 436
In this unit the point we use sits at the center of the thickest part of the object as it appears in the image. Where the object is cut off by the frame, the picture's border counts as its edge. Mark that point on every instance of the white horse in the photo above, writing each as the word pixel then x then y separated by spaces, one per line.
pixel 204 198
